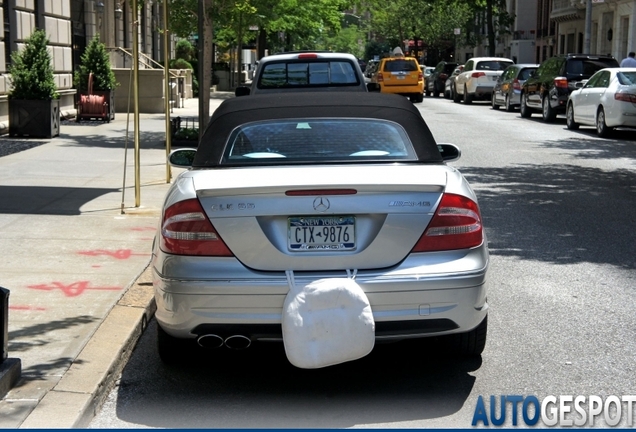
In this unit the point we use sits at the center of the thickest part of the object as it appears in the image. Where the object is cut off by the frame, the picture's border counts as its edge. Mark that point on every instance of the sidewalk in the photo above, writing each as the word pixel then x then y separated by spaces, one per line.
pixel 76 265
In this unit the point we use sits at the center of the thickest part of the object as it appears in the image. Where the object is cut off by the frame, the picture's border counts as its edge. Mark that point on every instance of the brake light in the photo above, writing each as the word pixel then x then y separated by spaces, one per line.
pixel 420 77
pixel 516 84
pixel 561 82
pixel 443 76
pixel 455 225
pixel 380 77
pixel 478 74
pixel 186 230
pixel 625 97
pixel 307 56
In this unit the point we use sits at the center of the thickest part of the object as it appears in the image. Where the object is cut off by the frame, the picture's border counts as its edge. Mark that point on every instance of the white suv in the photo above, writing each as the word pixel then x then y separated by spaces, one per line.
pixel 478 78
pixel 306 71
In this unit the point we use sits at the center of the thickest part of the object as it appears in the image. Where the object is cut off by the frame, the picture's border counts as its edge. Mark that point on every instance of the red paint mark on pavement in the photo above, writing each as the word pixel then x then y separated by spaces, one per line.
pixel 144 229
pixel 73 290
pixel 26 307
pixel 118 254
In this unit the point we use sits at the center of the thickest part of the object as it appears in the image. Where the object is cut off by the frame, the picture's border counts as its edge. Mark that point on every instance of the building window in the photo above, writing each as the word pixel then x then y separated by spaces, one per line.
pixel 7 34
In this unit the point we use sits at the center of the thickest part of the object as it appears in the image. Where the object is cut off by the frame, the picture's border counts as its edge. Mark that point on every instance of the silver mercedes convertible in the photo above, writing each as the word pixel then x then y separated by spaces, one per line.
pixel 287 190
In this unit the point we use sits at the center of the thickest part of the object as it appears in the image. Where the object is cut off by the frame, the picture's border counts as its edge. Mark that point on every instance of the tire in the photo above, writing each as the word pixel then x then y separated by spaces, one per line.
pixel 435 91
pixel 427 93
pixel 470 344
pixel 509 107
pixel 417 98
pixel 457 98
pixel 549 114
pixel 468 99
pixel 601 126
pixel 173 350
pixel 569 118
pixel 524 111
pixel 493 104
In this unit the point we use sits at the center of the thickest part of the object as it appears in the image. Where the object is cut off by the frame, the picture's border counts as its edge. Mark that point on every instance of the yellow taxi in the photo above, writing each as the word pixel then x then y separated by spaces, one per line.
pixel 400 75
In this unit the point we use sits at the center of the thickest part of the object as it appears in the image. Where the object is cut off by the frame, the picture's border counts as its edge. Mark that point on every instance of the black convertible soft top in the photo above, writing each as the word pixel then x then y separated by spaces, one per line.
pixel 238 111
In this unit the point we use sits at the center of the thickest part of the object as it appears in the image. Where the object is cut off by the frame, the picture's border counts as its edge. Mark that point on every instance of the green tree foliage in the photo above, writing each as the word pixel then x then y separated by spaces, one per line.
pixel 289 24
pixel 95 60
pixel 490 18
pixel 184 50
pixel 433 21
pixel 31 70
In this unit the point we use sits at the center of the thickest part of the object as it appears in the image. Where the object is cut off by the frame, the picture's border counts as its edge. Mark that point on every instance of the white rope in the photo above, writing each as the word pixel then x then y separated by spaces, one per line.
pixel 291 282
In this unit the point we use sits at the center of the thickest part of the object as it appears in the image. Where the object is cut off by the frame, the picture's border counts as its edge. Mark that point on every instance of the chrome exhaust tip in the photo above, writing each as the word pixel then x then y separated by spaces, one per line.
pixel 238 342
pixel 210 341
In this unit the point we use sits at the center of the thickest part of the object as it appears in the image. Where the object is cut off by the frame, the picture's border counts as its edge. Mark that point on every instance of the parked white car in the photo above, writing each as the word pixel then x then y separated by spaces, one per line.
pixel 607 100
pixel 479 77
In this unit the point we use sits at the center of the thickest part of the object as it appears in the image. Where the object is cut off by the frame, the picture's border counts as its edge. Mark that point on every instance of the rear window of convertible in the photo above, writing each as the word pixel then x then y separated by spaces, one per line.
pixel 307 74
pixel 317 140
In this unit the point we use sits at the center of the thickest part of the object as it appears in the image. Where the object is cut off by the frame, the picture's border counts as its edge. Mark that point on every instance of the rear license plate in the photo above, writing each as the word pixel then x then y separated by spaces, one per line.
pixel 401 77
pixel 312 233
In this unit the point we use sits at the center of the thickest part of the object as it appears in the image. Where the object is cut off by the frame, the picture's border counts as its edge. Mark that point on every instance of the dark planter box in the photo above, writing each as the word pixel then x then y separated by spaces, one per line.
pixel 34 118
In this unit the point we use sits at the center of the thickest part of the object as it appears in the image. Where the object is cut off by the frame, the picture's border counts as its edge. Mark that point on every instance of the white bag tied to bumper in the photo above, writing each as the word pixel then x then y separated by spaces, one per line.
pixel 326 322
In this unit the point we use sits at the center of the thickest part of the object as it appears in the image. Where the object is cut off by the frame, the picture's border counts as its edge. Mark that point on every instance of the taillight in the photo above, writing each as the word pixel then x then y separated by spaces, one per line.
pixel 443 76
pixel 516 84
pixel 561 82
pixel 625 97
pixel 186 230
pixel 478 74
pixel 420 77
pixel 455 225
pixel 380 78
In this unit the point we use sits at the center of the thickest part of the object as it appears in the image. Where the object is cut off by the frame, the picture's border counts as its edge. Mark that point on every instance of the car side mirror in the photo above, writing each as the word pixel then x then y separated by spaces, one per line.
pixel 242 91
pixel 449 152
pixel 182 158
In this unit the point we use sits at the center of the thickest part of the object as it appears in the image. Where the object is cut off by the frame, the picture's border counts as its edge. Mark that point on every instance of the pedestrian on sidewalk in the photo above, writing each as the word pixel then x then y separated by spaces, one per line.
pixel 629 61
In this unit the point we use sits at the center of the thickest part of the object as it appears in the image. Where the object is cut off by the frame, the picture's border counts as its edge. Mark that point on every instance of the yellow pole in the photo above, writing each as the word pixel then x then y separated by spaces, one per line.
pixel 136 98
pixel 166 97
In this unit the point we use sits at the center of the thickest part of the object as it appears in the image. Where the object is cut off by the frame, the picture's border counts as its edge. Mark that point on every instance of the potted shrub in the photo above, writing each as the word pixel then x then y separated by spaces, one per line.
pixel 95 60
pixel 34 104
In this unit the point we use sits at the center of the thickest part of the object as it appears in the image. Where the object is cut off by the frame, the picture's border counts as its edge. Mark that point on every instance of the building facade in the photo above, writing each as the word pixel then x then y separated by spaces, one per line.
pixel 69 26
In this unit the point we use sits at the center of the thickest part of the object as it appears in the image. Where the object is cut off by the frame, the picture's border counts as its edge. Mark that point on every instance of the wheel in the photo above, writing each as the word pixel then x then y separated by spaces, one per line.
pixel 470 344
pixel 508 105
pixel 549 114
pixel 456 96
pixel 601 126
pixel 523 108
pixel 417 98
pixel 173 350
pixel 493 103
pixel 569 118
pixel 468 99
pixel 427 92
pixel 435 91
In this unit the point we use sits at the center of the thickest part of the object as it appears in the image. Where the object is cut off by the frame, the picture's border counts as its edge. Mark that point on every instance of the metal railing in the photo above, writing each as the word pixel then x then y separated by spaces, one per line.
pixel 144 60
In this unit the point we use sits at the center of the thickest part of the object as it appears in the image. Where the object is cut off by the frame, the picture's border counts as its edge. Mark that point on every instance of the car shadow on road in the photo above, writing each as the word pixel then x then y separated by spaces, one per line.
pixel 259 388
pixel 562 214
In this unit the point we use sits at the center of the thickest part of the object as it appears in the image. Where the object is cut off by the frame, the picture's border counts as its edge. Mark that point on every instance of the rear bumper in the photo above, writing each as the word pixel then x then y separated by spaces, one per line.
pixel 402 90
pixel 406 301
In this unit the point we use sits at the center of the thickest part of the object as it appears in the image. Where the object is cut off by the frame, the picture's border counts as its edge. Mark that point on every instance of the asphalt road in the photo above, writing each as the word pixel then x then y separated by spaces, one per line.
pixel 559 211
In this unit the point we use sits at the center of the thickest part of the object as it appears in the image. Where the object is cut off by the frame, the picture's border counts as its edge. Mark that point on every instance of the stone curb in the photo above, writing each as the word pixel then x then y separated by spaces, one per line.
pixel 80 393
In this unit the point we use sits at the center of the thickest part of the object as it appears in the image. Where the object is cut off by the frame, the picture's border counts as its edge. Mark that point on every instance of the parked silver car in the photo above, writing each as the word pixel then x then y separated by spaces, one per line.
pixel 286 191
pixel 507 90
